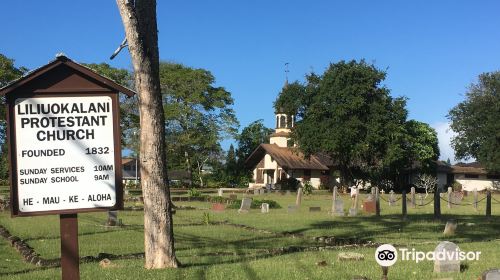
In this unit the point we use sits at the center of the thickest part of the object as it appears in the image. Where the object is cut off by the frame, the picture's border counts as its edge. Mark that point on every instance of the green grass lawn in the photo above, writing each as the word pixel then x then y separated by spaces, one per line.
pixel 222 250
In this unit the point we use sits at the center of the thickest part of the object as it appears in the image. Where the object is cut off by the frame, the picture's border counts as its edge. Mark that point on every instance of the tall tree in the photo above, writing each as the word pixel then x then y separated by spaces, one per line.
pixel 248 140
pixel 476 122
pixel 347 114
pixel 198 115
pixel 139 20
pixel 8 73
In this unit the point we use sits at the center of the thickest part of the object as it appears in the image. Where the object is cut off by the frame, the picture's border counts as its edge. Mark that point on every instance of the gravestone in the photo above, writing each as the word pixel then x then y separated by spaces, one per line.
pixel 315 209
pixel 353 211
pixel 245 205
pixel 288 192
pixel 412 197
pixel 446 257
pixel 233 197
pixel 492 274
pixel 392 198
pixel 256 191
pixel 298 200
pixel 420 199
pixel 264 208
pixel 218 207
pixel 292 209
pixel 456 197
pixel 369 204
pixel 450 227
pixel 262 191
pixel 337 204
pixel 220 192
pixel 112 218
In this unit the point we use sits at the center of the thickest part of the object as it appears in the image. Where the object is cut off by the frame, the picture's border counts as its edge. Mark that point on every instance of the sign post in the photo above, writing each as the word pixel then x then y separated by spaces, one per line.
pixel 64 148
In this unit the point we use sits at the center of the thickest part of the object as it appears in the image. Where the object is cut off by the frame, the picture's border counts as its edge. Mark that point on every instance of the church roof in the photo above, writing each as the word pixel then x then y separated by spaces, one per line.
pixel 280 134
pixel 288 158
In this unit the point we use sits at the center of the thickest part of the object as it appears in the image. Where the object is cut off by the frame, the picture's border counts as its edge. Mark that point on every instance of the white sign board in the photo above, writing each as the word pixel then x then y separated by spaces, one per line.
pixel 65 153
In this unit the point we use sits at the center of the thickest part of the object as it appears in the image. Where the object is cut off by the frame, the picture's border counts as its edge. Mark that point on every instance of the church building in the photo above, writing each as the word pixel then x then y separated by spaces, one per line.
pixel 279 160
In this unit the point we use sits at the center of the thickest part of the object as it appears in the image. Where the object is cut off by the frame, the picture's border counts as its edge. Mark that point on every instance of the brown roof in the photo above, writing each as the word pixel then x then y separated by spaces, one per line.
pixel 60 65
pixel 469 168
pixel 288 158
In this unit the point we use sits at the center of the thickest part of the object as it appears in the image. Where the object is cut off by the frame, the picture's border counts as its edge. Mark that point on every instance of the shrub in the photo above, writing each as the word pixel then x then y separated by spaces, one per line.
pixel 289 184
pixel 456 186
pixel 194 193
pixel 307 189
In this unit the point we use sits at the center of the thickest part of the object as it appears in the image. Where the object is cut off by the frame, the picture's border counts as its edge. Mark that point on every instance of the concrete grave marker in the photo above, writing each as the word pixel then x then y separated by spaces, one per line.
pixel 446 257
pixel 220 192
pixel 353 211
pixel 288 192
pixel 262 191
pixel 112 218
pixel 449 197
pixel 245 205
pixel 256 191
pixel 218 207
pixel 492 274
pixel 292 209
pixel 298 200
pixel 264 208
pixel 337 204
pixel 450 227
pixel 315 209
pixel 392 198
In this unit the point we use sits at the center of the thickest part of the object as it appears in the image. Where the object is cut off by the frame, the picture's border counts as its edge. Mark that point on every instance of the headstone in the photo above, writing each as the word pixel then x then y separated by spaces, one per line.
pixel 446 257
pixel 456 197
pixel 492 274
pixel 256 191
pixel 245 205
pixel 298 200
pixel 353 211
pixel 112 218
pixel 264 208
pixel 392 198
pixel 218 207
pixel 369 204
pixel 315 209
pixel 420 199
pixel 292 209
pixel 412 197
pixel 288 192
pixel 337 204
pixel 220 192
pixel 233 197
pixel 451 226
pixel 262 191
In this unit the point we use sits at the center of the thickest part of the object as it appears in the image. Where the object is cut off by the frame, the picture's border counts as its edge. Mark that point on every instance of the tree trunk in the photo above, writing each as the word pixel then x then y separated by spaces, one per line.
pixel 139 20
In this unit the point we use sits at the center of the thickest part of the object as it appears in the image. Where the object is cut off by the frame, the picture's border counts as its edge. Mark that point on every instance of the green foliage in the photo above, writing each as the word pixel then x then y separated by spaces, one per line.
pixel 194 193
pixel 249 139
pixel 476 122
pixel 348 114
pixel 8 73
pixel 206 218
pixel 289 184
pixel 307 188
pixel 456 186
pixel 198 116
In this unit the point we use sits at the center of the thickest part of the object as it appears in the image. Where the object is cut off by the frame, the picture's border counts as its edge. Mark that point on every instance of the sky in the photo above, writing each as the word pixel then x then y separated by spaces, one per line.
pixel 432 50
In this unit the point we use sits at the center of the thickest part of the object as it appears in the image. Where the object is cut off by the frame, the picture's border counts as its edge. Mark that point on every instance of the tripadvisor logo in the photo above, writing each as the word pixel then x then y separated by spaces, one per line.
pixel 387 255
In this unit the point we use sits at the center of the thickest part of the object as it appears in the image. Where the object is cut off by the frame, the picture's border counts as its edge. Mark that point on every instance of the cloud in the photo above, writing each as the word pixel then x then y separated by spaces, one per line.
pixel 444 134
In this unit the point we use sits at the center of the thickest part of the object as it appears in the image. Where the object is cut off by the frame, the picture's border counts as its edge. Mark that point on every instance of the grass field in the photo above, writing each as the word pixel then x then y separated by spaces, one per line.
pixel 277 245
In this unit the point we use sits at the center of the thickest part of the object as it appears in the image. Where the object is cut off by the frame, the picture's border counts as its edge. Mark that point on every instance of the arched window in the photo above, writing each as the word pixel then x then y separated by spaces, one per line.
pixel 282 121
